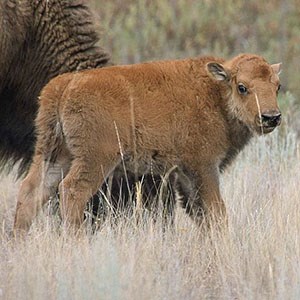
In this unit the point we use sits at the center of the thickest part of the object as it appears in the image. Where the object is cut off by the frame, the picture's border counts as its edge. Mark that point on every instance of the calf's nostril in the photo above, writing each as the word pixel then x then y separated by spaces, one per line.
pixel 271 119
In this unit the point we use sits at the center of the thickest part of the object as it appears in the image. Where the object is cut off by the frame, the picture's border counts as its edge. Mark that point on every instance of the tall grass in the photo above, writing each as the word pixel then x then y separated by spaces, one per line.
pixel 258 258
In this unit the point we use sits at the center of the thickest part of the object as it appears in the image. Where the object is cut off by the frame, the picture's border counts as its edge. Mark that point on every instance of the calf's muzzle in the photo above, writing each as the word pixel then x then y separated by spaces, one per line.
pixel 271 119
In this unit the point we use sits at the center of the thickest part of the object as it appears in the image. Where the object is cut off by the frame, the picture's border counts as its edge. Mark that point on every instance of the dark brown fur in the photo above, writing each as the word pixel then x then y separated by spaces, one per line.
pixel 190 116
pixel 39 39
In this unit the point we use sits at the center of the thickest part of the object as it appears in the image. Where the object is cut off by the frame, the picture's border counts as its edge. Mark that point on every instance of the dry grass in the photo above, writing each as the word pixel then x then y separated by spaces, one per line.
pixel 258 258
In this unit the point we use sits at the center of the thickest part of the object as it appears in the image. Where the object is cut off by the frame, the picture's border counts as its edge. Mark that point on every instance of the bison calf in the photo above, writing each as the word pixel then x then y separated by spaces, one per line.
pixel 195 114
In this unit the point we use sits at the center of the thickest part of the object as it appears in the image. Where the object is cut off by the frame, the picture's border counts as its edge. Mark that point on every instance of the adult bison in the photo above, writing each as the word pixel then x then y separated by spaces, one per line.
pixel 190 116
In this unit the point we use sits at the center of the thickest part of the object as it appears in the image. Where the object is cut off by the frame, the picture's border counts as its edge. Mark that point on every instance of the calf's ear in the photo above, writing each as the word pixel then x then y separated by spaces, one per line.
pixel 277 68
pixel 218 71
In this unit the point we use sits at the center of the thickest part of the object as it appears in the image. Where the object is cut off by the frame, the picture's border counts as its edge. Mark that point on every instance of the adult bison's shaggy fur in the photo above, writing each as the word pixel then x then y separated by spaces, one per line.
pixel 191 116
pixel 39 39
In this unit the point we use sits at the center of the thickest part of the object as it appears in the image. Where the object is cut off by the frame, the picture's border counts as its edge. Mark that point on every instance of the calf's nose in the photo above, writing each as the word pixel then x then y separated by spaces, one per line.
pixel 271 120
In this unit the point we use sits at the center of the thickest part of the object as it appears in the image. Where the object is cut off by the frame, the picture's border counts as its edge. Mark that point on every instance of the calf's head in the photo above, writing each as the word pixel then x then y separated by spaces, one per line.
pixel 253 86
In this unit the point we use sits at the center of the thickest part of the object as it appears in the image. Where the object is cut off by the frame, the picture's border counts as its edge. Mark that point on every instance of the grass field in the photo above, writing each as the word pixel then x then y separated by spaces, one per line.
pixel 258 258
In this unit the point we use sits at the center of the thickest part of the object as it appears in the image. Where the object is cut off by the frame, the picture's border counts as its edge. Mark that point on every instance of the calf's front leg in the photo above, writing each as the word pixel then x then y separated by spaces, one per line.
pixel 201 195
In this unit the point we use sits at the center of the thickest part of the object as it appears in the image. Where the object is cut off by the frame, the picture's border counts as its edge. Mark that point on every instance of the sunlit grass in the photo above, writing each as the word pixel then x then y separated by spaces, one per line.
pixel 257 258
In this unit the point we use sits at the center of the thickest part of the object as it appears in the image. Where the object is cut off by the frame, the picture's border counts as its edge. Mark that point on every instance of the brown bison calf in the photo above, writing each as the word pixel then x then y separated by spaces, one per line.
pixel 195 114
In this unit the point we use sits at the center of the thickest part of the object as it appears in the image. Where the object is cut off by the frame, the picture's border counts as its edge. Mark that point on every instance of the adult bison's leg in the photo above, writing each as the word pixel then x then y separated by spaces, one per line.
pixel 201 195
pixel 157 196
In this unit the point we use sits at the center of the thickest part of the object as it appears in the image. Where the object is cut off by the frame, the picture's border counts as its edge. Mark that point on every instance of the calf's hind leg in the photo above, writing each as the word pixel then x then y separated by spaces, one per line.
pixel 82 181
pixel 36 189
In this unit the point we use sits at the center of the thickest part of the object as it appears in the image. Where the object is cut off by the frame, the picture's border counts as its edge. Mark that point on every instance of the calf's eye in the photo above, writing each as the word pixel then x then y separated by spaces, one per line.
pixel 242 89
pixel 279 87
